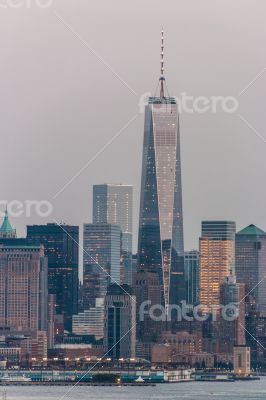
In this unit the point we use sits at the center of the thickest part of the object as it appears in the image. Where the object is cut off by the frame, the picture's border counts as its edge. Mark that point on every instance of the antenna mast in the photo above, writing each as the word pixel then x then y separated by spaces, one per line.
pixel 162 78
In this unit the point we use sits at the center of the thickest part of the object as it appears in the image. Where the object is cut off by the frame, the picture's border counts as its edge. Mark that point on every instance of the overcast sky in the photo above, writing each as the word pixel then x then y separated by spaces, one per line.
pixel 72 76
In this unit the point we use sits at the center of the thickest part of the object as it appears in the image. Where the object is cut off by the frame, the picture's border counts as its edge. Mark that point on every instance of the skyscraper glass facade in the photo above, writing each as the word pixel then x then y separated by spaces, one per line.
pixel 217 259
pixel 192 276
pixel 101 260
pixel 251 264
pixel 161 246
pixel 61 248
pixel 112 204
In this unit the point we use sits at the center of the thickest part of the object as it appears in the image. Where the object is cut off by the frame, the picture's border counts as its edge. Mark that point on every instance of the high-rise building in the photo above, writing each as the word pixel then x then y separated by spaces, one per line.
pixel 149 295
pixel 120 322
pixel 51 320
pixel 256 337
pixel 251 265
pixel 112 204
pixel 90 322
pixel 21 288
pixel 161 245
pixel 229 326
pixel 192 276
pixel 101 260
pixel 217 257
pixel 61 248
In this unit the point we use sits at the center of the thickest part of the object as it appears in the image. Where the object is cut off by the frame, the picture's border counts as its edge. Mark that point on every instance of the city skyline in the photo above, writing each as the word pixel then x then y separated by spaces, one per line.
pixel 132 224
pixel 207 140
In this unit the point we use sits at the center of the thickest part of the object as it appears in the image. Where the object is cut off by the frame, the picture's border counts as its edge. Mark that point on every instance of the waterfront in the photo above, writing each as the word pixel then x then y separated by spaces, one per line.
pixel 190 391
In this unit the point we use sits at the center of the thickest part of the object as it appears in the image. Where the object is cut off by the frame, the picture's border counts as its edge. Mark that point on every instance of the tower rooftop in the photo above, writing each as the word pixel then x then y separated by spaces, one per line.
pixel 252 230
pixel 6 229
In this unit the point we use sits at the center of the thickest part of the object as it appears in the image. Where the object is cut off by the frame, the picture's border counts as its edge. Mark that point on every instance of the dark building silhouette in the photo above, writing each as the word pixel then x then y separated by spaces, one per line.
pixel 192 276
pixel 120 322
pixel 148 294
pixel 61 248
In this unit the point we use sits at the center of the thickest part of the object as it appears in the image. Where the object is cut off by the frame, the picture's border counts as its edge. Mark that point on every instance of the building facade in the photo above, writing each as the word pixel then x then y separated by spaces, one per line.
pixel 251 265
pixel 242 360
pixel 91 321
pixel 61 248
pixel 112 204
pixel 217 260
pixel 161 246
pixel 20 281
pixel 148 294
pixel 192 276
pixel 101 260
pixel 120 322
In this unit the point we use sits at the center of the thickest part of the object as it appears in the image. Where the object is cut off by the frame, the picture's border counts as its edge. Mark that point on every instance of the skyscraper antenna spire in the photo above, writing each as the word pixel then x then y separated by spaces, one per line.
pixel 162 78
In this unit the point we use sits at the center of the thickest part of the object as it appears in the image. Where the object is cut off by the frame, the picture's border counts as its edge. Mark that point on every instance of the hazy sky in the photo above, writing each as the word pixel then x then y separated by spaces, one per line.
pixel 62 100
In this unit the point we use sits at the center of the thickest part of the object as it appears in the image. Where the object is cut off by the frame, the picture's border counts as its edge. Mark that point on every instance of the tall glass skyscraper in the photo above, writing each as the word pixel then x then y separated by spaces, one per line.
pixel 192 276
pixel 61 248
pixel 251 265
pixel 101 261
pixel 112 204
pixel 161 246
pixel 217 259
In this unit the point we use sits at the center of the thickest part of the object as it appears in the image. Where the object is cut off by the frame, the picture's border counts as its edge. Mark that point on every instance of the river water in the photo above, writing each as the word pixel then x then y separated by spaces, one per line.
pixel 189 391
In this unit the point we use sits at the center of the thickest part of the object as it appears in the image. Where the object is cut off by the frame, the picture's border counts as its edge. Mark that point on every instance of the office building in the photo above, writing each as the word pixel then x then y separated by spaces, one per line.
pixel 101 260
pixel 149 295
pixel 112 204
pixel 120 322
pixel 161 247
pixel 228 328
pixel 192 276
pixel 21 274
pixel 256 337
pixel 251 265
pixel 217 260
pixel 91 321
pixel 61 248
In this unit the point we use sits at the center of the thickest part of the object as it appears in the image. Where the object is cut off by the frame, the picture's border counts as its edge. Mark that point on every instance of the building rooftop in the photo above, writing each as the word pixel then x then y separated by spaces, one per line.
pixel 252 230
pixel 6 229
